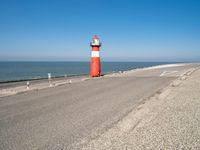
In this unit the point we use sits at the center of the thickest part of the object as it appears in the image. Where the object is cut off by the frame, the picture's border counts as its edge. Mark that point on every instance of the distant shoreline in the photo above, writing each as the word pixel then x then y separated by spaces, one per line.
pixel 42 78
pixel 79 75
pixel 13 87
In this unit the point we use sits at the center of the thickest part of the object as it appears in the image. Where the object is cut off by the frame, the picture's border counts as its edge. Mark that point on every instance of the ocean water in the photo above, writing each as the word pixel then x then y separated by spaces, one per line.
pixel 13 71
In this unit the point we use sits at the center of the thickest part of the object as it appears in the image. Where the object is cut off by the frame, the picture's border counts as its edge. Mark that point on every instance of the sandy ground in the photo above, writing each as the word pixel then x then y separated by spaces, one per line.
pixel 169 119
pixel 7 89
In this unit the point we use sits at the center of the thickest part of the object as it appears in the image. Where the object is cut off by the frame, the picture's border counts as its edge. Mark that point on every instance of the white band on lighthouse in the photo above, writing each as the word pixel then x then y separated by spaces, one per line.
pixel 95 54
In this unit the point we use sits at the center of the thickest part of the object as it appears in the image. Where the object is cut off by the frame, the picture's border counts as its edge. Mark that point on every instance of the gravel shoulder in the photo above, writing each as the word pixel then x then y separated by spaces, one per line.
pixel 169 119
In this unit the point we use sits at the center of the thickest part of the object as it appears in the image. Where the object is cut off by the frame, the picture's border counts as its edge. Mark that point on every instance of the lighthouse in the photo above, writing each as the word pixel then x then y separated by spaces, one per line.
pixel 95 66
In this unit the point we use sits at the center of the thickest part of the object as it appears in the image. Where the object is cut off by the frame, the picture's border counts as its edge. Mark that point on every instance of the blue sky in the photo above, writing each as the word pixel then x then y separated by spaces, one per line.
pixel 130 30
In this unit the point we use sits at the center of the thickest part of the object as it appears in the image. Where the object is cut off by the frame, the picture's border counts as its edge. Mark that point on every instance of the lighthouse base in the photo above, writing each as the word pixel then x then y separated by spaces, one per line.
pixel 95 67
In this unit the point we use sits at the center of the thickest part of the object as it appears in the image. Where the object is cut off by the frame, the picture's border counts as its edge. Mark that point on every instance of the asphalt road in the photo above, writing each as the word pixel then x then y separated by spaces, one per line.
pixel 56 118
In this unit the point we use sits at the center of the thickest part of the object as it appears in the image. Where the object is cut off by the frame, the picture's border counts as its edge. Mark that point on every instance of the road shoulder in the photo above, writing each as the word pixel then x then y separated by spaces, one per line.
pixel 169 119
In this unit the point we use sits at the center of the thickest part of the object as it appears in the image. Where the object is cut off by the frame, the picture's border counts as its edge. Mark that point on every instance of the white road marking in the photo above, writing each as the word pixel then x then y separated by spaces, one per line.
pixel 167 73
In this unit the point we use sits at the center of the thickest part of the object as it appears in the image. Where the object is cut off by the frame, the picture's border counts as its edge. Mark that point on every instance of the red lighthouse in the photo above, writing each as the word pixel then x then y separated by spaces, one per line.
pixel 95 66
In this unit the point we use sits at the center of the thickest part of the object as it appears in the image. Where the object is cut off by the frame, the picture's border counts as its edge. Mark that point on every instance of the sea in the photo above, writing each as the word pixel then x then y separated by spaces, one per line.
pixel 22 71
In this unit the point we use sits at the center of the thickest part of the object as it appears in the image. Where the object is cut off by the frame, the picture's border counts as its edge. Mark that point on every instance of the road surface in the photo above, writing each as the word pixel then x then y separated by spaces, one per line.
pixel 59 117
